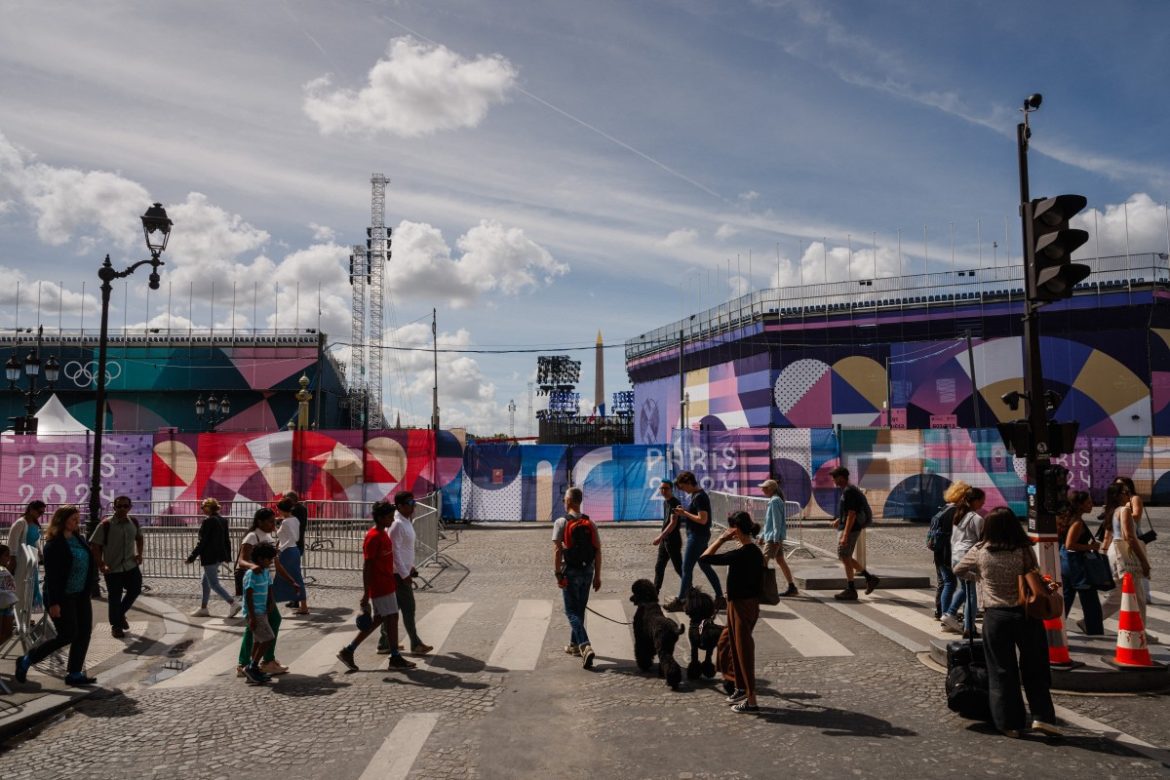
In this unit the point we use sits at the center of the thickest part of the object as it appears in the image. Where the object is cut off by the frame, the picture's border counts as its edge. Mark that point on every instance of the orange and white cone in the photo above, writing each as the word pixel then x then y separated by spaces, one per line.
pixel 1057 643
pixel 1131 633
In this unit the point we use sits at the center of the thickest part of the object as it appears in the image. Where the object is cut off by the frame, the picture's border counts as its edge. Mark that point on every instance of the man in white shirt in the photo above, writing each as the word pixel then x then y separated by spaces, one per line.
pixel 402 534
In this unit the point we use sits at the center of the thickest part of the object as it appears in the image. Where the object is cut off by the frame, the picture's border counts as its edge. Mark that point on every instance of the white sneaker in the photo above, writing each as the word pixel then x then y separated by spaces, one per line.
pixel 234 609
pixel 951 623
pixel 201 612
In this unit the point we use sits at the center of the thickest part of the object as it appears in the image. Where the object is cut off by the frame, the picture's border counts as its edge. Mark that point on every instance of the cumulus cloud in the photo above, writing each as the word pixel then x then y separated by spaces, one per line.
pixel 680 237
pixel 322 232
pixel 18 291
pixel 494 258
pixel 1139 223
pixel 725 232
pixel 417 89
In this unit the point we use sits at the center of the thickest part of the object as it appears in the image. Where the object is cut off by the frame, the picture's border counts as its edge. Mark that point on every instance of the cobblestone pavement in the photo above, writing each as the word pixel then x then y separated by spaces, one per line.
pixel 876 710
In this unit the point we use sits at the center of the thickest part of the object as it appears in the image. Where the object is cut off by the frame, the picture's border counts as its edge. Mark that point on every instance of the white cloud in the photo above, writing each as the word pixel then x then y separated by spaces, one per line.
pixel 749 196
pixel 416 90
pixel 680 237
pixel 322 232
pixel 725 232
pixel 16 289
pixel 1139 223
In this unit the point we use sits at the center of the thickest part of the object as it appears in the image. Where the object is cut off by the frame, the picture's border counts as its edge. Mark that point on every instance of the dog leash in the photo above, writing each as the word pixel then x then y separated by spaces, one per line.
pixel 611 620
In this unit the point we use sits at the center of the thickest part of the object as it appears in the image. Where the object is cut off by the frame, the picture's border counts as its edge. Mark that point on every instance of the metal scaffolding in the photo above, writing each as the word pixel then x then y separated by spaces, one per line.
pixel 379 252
pixel 358 276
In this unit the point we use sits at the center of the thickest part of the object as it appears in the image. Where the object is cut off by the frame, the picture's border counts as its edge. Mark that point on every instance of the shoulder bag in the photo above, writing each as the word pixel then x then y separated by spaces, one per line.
pixel 1045 605
pixel 770 592
pixel 1149 535
pixel 1097 571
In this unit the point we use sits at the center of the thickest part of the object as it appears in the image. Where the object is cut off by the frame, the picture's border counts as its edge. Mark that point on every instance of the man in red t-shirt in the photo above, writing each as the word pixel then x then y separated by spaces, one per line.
pixel 378 590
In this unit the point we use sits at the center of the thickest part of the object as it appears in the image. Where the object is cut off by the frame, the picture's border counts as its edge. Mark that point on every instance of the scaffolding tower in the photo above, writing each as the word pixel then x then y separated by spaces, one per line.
pixel 378 244
pixel 359 272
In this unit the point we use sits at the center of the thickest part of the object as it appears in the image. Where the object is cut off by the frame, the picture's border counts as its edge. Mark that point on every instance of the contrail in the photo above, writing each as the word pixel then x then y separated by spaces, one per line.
pixel 658 164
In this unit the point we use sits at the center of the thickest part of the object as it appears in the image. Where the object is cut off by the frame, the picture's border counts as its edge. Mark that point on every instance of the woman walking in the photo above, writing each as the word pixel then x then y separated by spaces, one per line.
pixel 745 570
pixel 776 530
pixel 213 548
pixel 966 534
pixel 263 525
pixel 1000 562
pixel 70 576
pixel 1127 555
pixel 27 530
pixel 943 565
pixel 287 537
pixel 1079 545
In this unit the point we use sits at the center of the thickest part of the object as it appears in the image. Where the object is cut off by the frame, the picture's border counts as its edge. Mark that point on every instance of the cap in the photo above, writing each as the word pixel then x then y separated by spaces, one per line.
pixel 770 483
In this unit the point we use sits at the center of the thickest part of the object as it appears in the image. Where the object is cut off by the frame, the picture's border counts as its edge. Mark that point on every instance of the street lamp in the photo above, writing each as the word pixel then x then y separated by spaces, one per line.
pixel 216 410
pixel 31 369
pixel 156 227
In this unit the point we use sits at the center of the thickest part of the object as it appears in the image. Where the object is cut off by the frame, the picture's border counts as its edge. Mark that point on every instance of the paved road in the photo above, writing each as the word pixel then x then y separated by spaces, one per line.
pixel 842 690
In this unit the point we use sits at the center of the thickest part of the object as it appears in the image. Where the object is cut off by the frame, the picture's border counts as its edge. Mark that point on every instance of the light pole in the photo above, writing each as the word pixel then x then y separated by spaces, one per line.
pixel 31 368
pixel 213 411
pixel 156 227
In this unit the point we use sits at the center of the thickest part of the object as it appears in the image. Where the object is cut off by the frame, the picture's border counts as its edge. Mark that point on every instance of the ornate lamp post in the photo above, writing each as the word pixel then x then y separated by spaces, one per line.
pixel 156 227
pixel 213 411
pixel 31 369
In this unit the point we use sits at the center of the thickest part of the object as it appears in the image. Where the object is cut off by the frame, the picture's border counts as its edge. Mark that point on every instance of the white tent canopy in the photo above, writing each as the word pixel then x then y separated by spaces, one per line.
pixel 54 418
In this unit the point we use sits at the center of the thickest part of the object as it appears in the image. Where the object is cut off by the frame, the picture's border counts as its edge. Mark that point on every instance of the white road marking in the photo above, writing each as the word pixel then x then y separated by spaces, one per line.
pixel 519 646
pixel 804 636
pixel 911 616
pixel 436 626
pixel 399 751
pixel 321 657
pixel 222 661
pixel 612 643
pixel 856 612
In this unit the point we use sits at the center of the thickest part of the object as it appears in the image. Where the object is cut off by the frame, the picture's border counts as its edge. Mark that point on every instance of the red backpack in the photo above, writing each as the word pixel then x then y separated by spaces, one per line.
pixel 578 541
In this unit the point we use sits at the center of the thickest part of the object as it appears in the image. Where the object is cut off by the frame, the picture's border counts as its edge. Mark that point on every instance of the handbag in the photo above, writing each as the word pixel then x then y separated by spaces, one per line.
pixel 44 630
pixel 1150 535
pixel 1045 605
pixel 1097 571
pixel 770 592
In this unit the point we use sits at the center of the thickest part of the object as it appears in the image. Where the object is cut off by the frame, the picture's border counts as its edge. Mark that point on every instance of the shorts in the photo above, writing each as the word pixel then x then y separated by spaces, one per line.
pixel 385 605
pixel 263 631
pixel 772 549
pixel 846 550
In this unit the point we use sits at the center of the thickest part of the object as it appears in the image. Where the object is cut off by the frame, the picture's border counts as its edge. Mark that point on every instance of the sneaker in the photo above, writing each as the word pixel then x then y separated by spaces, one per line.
pixel 117 633
pixel 22 667
pixel 587 656
pixel 739 694
pixel 951 623
pixel 791 590
pixel 398 662
pixel 573 650
pixel 871 582
pixel 674 605
pixel 728 687
pixel 201 612
pixel 254 676
pixel 720 603
pixel 1051 729
pixel 345 655
pixel 234 609
pixel 849 594
pixel 125 624
pixel 239 671
pixel 421 648
pixel 79 680
pixel 273 668
pixel 743 706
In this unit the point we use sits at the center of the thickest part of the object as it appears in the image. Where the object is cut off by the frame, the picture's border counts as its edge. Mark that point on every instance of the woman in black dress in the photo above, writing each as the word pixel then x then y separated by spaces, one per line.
pixel 745 574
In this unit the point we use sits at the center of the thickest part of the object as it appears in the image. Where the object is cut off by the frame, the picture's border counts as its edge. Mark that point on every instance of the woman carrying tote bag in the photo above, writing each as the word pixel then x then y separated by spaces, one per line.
pixel 1126 553
pixel 1087 567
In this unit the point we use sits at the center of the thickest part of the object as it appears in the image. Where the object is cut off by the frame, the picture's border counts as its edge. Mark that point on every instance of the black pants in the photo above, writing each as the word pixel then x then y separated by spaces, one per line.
pixel 669 549
pixel 405 595
pixel 123 588
pixel 1007 630
pixel 73 631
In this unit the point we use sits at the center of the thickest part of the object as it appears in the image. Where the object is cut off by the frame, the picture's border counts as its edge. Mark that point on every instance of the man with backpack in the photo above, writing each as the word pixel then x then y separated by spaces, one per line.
pixel 576 564
pixel 117 547
pixel 853 517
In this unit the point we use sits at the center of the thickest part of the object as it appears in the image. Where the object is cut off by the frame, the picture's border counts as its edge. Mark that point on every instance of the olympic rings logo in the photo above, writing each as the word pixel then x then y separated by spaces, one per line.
pixel 83 374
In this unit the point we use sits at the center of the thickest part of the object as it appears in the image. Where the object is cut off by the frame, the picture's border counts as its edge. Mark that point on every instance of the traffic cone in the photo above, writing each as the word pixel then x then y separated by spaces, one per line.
pixel 1057 643
pixel 1131 634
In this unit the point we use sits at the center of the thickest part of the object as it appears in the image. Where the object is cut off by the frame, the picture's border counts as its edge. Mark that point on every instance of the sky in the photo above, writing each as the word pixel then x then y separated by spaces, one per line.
pixel 555 168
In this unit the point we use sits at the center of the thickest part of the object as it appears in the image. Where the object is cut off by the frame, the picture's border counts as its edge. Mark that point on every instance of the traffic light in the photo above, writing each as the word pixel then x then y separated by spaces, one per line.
pixel 1051 272
pixel 1055 493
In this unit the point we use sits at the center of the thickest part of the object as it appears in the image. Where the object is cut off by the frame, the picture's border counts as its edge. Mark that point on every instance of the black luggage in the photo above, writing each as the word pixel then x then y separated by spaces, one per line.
pixel 966 684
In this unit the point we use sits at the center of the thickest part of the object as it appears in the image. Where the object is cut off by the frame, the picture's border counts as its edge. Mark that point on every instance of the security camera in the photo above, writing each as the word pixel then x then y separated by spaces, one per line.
pixel 1032 102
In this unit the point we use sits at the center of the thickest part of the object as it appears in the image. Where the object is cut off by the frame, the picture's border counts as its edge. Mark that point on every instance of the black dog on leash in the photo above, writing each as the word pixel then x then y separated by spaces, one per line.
pixel 702 631
pixel 654 634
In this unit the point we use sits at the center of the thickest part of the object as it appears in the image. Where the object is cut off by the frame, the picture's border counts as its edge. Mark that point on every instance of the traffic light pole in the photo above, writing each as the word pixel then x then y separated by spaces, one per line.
pixel 1041 522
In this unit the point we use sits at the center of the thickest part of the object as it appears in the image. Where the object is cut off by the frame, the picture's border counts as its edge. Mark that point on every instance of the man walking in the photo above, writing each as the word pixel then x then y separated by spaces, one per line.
pixel 576 563
pixel 378 590
pixel 853 516
pixel 669 542
pixel 402 534
pixel 117 546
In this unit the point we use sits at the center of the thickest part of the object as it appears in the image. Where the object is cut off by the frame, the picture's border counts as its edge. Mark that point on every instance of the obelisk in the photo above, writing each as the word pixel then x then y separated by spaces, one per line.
pixel 599 381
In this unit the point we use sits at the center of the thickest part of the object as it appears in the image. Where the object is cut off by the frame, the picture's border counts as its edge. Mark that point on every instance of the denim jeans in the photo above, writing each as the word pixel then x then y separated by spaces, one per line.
pixel 211 582
pixel 948 584
pixel 576 595
pixel 696 545
pixel 965 596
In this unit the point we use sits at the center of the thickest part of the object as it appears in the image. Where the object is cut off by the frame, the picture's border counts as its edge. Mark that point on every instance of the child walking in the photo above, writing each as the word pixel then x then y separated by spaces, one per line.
pixel 256 606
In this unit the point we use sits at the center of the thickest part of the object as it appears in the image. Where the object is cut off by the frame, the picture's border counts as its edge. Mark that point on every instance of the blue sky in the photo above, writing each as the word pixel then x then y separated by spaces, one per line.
pixel 555 167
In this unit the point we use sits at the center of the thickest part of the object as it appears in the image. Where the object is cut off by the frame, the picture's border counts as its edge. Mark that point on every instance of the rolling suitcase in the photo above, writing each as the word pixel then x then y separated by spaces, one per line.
pixel 966 684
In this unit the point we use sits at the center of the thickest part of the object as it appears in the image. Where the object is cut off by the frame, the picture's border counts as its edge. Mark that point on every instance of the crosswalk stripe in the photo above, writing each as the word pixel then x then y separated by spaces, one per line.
pixel 519 647
pixel 804 636
pixel 401 747
pixel 436 626
pixel 855 612
pixel 321 657
pixel 611 642
pixel 909 616
pixel 218 663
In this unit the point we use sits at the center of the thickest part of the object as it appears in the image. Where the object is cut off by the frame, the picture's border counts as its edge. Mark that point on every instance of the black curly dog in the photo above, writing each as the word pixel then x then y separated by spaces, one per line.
pixel 654 634
pixel 702 631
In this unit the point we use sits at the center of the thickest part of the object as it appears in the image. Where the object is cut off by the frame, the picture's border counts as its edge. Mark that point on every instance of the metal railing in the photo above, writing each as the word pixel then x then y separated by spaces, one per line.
pixel 723 504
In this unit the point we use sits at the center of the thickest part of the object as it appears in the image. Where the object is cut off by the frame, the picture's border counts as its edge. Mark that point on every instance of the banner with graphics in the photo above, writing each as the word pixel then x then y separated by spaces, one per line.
pixel 57 469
